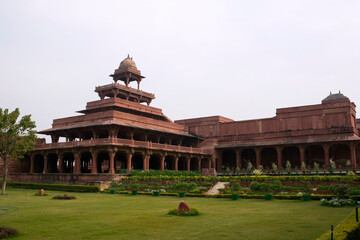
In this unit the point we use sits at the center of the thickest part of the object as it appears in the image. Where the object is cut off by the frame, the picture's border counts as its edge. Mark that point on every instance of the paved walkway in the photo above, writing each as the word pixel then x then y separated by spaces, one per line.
pixel 214 190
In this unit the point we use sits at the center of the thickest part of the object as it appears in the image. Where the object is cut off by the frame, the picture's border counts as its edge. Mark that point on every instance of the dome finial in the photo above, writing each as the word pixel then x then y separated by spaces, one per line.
pixel 128 62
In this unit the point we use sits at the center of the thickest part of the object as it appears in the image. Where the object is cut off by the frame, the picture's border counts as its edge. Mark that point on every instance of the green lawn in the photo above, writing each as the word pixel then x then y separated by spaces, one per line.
pixel 106 216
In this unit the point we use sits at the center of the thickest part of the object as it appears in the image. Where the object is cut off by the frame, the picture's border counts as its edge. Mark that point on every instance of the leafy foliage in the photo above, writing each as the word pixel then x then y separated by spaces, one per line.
pixel 192 212
pixel 16 137
pixel 56 187
pixel 6 232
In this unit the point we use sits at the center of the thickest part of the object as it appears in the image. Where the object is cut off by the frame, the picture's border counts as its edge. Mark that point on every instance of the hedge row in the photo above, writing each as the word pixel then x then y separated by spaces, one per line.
pixel 264 178
pixel 55 187
pixel 344 230
pixel 244 196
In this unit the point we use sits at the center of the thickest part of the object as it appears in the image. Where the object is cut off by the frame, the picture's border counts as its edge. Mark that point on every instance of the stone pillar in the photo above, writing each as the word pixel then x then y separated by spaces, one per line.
pixel 176 162
pixel 326 148
pixel 162 160
pixel 60 161
pixel 94 162
pixel 258 156
pixel 45 163
pixel 112 156
pixel 353 154
pixel 238 158
pixel 77 168
pixel 279 157
pixel 302 154
pixel 32 160
pixel 128 163
pixel 188 164
pixel 146 161
pixel 199 164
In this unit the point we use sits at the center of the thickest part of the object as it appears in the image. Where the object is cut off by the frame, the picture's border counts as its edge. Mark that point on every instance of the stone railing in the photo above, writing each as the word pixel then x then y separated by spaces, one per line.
pixel 120 142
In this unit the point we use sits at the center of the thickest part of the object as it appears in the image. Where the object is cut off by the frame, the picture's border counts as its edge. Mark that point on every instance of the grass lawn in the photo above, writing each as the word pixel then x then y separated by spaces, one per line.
pixel 107 216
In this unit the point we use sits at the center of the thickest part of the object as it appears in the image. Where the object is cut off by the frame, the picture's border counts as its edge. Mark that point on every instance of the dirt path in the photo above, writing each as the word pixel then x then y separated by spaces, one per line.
pixel 214 190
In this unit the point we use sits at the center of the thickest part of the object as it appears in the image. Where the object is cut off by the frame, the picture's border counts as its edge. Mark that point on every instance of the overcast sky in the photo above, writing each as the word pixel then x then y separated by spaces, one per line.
pixel 238 59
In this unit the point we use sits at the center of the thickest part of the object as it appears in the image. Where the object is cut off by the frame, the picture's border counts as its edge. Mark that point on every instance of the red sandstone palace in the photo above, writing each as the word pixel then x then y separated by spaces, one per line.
pixel 121 131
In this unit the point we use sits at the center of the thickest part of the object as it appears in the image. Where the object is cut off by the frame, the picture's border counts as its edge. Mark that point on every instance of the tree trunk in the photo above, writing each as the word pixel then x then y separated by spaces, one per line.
pixel 4 177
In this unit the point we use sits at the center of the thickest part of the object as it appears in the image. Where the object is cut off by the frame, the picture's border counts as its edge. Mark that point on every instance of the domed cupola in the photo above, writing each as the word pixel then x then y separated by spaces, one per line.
pixel 335 97
pixel 127 72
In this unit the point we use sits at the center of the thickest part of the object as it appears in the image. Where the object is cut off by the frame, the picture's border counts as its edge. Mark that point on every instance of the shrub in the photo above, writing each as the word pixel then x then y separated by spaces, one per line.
pixel 6 232
pixel 64 197
pixel 55 187
pixel 182 186
pixel 340 189
pixel 336 202
pixel 38 194
pixel 192 212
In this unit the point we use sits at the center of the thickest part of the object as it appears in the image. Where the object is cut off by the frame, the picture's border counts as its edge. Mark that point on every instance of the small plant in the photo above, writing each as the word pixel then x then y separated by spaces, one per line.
pixel 288 166
pixel 261 167
pixel 236 187
pixel 192 212
pixel 348 163
pixel 249 167
pixel 227 171
pixel 238 171
pixel 303 166
pixel 257 172
pixel 44 194
pixel 274 167
pixel 6 232
pixel 332 165
pixel 316 166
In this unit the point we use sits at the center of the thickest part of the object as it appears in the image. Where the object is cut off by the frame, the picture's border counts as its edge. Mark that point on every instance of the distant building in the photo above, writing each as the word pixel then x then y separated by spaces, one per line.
pixel 121 131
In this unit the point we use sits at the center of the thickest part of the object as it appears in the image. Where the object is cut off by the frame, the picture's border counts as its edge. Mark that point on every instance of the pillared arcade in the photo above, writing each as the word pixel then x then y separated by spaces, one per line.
pixel 121 131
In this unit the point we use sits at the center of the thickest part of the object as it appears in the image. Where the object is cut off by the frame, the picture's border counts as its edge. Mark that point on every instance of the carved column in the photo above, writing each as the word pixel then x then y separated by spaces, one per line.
pixel 94 161
pixel 162 160
pixel 279 157
pixel 353 154
pixel 45 163
pixel 77 168
pixel 176 162
pixel 326 148
pixel 302 154
pixel 238 158
pixel 199 164
pixel 146 161
pixel 112 156
pixel 60 161
pixel 128 164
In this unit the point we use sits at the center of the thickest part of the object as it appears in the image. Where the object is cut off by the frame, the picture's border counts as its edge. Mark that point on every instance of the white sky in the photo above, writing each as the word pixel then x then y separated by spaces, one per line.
pixel 238 59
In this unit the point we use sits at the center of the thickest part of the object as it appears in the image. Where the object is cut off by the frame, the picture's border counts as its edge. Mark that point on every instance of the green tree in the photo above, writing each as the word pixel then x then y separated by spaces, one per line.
pixel 16 138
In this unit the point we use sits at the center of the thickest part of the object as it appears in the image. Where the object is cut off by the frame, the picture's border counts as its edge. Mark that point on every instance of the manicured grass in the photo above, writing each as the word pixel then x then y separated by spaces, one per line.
pixel 110 216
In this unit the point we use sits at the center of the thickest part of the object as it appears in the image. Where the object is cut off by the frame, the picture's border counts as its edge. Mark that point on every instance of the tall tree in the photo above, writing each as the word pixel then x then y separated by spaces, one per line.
pixel 16 138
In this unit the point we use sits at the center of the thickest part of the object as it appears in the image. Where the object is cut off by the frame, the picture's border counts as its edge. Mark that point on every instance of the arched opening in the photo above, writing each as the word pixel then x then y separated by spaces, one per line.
pixel 120 161
pixel 138 136
pixel 169 162
pixel 268 157
pixel 103 162
pixel 52 163
pixel 174 141
pixel 340 154
pixel 87 135
pixel 182 163
pixel 291 154
pixel 86 162
pixel 205 163
pixel 25 164
pixel 124 134
pixel 103 133
pixel 314 154
pixel 155 162
pixel 137 161
pixel 68 162
pixel 248 156
pixel 39 163
pixel 228 159
pixel 194 164
pixel 162 140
